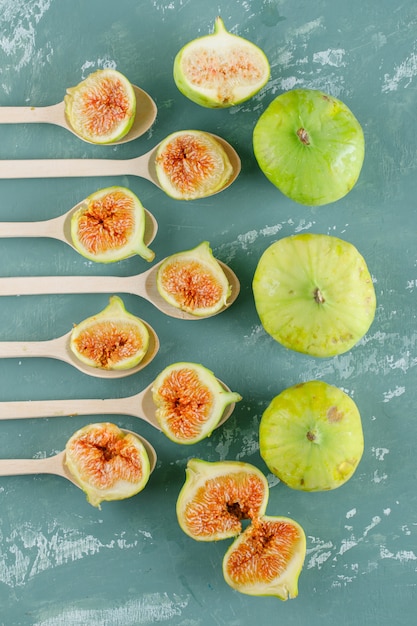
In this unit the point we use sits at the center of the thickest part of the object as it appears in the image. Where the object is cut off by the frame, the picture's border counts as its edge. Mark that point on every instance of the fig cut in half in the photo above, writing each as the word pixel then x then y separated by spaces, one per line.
pixel 314 294
pixel 114 339
pixel 220 70
pixel 194 281
pixel 309 145
pixel 311 437
pixel 266 558
pixel 101 109
pixel 109 226
pixel 192 164
pixel 190 402
pixel 107 463
pixel 217 496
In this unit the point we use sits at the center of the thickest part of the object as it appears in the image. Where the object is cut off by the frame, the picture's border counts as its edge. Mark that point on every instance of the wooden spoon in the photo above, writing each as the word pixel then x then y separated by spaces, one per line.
pixel 139 405
pixel 55 114
pixel 143 166
pixel 56 464
pixel 59 348
pixel 60 227
pixel 143 285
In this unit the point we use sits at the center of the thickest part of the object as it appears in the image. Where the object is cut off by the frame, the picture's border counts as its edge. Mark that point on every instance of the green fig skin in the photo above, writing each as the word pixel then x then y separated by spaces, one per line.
pixel 242 69
pixel 309 145
pixel 311 437
pixel 314 294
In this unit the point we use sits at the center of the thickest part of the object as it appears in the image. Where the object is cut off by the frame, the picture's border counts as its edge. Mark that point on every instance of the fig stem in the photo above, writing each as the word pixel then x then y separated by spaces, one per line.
pixel 318 296
pixel 303 136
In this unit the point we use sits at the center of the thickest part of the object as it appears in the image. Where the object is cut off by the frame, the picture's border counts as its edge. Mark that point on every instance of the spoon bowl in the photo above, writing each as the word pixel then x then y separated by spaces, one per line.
pixel 146 112
pixel 59 348
pixel 60 227
pixel 142 285
pixel 139 405
pixel 56 464
pixel 143 166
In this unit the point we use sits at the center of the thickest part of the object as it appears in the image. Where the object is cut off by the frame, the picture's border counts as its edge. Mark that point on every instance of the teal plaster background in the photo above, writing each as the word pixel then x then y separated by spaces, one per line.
pixel 62 562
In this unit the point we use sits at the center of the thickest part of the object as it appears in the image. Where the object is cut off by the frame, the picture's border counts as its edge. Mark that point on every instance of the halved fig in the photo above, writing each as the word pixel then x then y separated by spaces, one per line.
pixel 101 109
pixel 192 164
pixel 311 436
pixel 109 226
pixel 194 281
pixel 107 463
pixel 267 558
pixel 190 401
pixel 221 69
pixel 114 339
pixel 217 496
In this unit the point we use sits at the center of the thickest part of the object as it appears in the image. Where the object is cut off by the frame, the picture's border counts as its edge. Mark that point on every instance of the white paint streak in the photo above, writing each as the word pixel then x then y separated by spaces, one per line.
pixel 245 240
pixel 150 608
pixel 402 74
pixel 332 57
pixel 394 393
pixel 29 551
pixel 18 19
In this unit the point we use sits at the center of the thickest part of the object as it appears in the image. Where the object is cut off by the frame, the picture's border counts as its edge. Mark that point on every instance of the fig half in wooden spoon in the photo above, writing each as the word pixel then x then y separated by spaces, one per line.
pixel 108 226
pixel 187 397
pixel 143 285
pixel 174 165
pixel 103 109
pixel 106 462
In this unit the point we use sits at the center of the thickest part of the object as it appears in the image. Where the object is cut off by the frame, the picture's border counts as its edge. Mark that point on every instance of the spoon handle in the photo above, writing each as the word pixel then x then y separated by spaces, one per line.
pixel 43 349
pixel 46 228
pixel 53 114
pixel 41 285
pixel 20 467
pixel 64 168
pixel 138 405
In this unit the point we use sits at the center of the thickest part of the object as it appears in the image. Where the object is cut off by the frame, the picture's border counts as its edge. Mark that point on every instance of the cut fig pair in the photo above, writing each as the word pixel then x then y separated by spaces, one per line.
pixel 267 555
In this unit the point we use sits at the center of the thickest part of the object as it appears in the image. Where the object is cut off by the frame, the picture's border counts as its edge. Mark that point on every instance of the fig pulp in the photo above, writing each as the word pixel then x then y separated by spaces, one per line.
pixel 107 463
pixel 109 226
pixel 310 146
pixel 217 496
pixel 190 402
pixel 192 164
pixel 220 70
pixel 267 558
pixel 194 281
pixel 314 294
pixel 114 339
pixel 101 109
pixel 310 436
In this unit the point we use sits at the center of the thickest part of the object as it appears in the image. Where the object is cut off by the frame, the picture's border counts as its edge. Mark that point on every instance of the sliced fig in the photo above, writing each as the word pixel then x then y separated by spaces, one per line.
pixel 194 281
pixel 192 164
pixel 114 339
pixel 190 401
pixel 110 226
pixel 101 109
pixel 267 558
pixel 217 496
pixel 107 463
pixel 220 70
pixel 311 436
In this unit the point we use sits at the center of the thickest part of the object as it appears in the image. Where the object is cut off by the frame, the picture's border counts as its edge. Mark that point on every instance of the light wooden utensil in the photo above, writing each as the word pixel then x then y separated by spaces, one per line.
pixel 56 464
pixel 139 405
pixel 59 348
pixel 143 285
pixel 60 227
pixel 142 166
pixel 146 112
